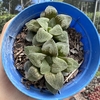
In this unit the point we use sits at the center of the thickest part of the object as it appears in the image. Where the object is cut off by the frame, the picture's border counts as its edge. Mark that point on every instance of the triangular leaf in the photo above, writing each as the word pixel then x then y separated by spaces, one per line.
pixel 56 30
pixel 58 65
pixel 50 48
pixel 33 25
pixel 33 74
pixel 50 12
pixel 30 36
pixel 63 37
pixel 36 58
pixel 63 48
pixel 27 65
pixel 44 67
pixel 43 22
pixel 65 73
pixel 35 42
pixel 31 49
pixel 49 60
pixel 43 35
pixel 51 89
pixel 63 20
pixel 42 14
pixel 72 64
pixel 52 22
pixel 55 80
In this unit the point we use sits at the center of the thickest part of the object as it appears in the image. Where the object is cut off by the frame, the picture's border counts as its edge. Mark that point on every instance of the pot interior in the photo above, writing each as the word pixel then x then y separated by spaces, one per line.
pixel 91 48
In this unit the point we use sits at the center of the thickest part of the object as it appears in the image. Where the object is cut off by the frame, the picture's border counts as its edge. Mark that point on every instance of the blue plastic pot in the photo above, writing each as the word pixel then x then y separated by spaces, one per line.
pixel 90 39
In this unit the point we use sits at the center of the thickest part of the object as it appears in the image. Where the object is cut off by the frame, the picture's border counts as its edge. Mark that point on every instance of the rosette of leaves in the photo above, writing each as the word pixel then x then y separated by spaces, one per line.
pixel 50 47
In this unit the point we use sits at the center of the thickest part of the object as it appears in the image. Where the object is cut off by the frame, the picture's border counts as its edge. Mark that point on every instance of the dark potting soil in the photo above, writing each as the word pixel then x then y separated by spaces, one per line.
pixel 76 52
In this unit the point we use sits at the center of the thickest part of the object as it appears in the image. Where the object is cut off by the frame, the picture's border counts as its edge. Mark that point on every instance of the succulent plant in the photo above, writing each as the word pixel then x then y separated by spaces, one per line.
pixel 48 55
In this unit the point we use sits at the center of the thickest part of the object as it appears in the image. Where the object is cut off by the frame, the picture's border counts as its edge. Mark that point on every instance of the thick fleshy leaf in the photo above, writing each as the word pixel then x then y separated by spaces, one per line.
pixel 63 38
pixel 27 65
pixel 65 73
pixel 52 22
pixel 30 36
pixel 56 30
pixel 50 12
pixel 36 58
pixel 33 25
pixel 54 80
pixel 72 64
pixel 63 49
pixel 35 42
pixel 63 20
pixel 31 49
pixel 43 22
pixel 51 89
pixel 58 65
pixel 50 48
pixel 43 35
pixel 49 60
pixel 33 74
pixel 42 14
pixel 44 67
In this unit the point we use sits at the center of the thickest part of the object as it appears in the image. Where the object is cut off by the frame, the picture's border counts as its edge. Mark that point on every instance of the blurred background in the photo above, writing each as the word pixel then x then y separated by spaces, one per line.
pixel 10 8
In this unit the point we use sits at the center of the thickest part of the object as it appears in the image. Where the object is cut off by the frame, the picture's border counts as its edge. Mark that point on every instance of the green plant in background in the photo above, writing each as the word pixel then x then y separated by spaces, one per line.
pixel 90 15
pixel 4 19
pixel 50 47
pixel 97 24
pixel 98 73
pixel 97 20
